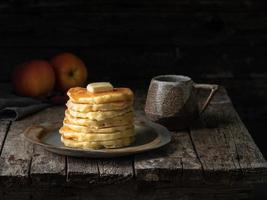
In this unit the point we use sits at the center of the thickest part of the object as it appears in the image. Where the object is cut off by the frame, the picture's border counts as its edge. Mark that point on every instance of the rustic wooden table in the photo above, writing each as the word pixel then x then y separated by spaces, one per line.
pixel 215 158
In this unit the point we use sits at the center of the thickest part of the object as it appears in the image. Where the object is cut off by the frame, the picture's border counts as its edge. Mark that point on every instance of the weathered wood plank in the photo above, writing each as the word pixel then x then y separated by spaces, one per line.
pixel 251 160
pixel 82 170
pixel 116 170
pixel 106 171
pixel 176 161
pixel 46 167
pixel 16 154
pixel 223 145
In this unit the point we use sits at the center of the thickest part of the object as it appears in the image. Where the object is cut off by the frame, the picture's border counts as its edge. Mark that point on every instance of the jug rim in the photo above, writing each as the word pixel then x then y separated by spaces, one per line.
pixel 171 78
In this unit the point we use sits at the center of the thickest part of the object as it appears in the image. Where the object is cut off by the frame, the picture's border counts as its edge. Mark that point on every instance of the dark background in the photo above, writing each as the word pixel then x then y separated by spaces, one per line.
pixel 129 42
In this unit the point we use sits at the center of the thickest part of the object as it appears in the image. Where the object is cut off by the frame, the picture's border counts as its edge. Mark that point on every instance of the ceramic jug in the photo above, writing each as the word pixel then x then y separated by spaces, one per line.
pixel 171 100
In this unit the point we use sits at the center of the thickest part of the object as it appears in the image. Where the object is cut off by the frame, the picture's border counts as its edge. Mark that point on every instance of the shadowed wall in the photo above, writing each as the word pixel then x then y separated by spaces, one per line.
pixel 139 39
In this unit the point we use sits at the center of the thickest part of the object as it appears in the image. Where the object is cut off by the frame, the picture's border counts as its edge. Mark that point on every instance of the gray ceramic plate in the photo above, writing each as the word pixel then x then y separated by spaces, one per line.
pixel 149 136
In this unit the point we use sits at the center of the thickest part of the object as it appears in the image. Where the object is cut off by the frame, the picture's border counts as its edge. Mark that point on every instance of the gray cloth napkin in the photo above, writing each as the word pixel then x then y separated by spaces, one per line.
pixel 14 107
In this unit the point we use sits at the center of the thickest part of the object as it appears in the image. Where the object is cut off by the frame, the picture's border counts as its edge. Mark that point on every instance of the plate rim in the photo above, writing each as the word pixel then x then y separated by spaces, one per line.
pixel 162 132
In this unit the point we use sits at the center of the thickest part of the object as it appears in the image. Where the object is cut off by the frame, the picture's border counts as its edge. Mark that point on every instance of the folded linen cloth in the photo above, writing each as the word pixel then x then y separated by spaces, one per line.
pixel 15 107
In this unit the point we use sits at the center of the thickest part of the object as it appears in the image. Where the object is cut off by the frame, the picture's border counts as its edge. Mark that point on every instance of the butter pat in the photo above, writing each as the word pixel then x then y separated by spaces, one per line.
pixel 99 87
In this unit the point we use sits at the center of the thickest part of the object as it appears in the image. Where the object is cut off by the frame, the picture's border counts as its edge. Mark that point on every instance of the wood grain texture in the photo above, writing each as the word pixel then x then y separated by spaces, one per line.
pixel 99 171
pixel 20 158
pixel 83 170
pixel 223 145
pixel 112 171
pixel 46 167
pixel 16 153
pixel 170 163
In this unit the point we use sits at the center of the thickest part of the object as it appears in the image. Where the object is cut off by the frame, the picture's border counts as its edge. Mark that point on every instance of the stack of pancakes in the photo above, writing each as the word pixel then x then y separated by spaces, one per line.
pixel 98 120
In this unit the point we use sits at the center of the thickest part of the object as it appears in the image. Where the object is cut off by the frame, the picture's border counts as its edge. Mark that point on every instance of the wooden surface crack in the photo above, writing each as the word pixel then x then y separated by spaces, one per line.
pixel 4 137
pixel 133 167
pixel 238 158
pixel 196 152
pixel 98 171
pixel 29 171
pixel 66 168
pixel 182 167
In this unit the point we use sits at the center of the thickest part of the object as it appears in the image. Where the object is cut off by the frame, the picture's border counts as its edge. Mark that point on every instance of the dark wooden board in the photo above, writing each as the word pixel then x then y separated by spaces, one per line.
pixel 216 150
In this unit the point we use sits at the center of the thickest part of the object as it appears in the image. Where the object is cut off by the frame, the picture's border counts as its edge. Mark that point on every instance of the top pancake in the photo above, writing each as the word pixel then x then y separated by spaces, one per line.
pixel 82 95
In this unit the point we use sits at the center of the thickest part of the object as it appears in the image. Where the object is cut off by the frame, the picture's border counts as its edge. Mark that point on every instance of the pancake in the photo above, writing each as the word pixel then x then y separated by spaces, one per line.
pixel 98 116
pixel 82 95
pixel 82 107
pixel 94 137
pixel 122 120
pixel 87 129
pixel 98 145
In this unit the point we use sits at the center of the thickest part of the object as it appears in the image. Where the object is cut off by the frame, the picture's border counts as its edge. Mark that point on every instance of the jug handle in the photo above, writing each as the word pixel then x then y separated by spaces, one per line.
pixel 213 89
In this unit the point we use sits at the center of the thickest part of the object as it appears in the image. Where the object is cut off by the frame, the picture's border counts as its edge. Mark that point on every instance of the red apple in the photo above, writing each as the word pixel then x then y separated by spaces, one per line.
pixel 34 78
pixel 70 71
